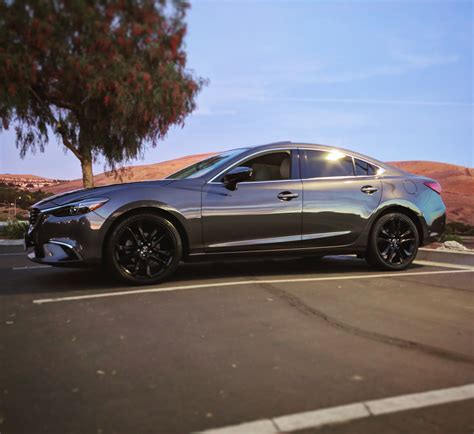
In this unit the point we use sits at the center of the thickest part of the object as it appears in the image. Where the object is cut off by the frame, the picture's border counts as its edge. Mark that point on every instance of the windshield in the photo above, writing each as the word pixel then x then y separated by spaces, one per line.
pixel 200 168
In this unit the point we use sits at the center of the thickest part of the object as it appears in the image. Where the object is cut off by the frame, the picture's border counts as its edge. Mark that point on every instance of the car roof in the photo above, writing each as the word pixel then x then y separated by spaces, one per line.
pixel 300 145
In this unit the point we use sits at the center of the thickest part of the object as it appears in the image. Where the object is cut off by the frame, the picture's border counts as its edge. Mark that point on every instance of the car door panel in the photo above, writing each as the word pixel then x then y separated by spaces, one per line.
pixel 336 208
pixel 252 216
pixel 336 211
pixel 257 215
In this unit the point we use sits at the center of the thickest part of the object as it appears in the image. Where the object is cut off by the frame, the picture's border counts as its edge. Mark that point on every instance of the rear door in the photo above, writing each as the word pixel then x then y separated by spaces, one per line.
pixel 339 195
pixel 264 213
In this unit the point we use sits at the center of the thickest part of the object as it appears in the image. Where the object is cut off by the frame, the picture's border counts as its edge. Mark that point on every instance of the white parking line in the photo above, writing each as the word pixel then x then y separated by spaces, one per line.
pixel 347 413
pixel 245 282
pixel 31 267
pixel 444 265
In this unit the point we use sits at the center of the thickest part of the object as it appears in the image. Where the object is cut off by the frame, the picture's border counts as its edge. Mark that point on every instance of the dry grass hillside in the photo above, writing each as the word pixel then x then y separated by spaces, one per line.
pixel 144 172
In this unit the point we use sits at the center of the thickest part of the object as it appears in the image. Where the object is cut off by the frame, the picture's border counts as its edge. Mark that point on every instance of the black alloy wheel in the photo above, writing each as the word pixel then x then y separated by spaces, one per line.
pixel 144 249
pixel 394 242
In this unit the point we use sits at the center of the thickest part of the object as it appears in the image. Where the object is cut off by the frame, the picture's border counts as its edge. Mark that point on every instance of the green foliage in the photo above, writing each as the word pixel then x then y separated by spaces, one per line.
pixel 15 230
pixel 451 237
pixel 459 228
pixel 28 198
pixel 105 76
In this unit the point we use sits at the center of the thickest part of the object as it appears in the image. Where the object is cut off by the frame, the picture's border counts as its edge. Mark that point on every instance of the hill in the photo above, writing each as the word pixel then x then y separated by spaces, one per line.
pixel 27 182
pixel 144 172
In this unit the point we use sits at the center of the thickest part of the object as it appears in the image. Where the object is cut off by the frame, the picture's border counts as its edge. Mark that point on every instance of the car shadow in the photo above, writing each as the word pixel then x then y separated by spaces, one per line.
pixel 62 280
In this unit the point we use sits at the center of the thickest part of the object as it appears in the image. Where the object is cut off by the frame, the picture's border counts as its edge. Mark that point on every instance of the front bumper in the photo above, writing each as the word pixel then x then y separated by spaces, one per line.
pixel 65 241
pixel 53 252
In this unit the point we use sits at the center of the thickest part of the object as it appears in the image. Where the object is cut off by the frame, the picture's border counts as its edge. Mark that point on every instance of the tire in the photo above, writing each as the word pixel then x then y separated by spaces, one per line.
pixel 143 249
pixel 393 242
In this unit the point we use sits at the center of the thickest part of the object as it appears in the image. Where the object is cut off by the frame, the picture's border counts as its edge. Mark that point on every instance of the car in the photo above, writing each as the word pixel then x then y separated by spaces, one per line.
pixel 282 198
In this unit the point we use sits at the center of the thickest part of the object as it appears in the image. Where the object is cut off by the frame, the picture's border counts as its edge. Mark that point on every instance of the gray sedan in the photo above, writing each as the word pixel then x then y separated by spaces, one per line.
pixel 281 198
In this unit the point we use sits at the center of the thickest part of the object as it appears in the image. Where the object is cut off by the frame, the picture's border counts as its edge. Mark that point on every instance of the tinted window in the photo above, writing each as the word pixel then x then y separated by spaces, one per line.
pixel 202 167
pixel 273 166
pixel 363 168
pixel 321 164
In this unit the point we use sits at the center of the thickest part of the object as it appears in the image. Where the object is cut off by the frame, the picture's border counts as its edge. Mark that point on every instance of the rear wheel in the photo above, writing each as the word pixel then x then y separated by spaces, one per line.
pixel 393 242
pixel 144 249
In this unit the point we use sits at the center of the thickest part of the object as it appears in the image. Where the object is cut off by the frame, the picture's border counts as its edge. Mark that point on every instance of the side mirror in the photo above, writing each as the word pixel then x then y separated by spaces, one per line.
pixel 236 175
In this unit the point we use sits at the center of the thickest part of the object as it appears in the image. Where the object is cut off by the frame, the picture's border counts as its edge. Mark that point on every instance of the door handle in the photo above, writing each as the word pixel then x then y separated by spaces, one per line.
pixel 287 195
pixel 368 189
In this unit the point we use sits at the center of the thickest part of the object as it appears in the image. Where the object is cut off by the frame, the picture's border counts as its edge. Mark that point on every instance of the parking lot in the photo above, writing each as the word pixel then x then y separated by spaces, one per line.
pixel 281 345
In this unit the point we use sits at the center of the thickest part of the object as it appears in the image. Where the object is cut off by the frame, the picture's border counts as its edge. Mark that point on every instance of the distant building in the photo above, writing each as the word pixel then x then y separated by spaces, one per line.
pixel 28 183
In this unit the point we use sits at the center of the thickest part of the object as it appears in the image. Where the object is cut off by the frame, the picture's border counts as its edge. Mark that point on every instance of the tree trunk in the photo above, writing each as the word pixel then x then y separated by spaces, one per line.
pixel 86 156
pixel 87 176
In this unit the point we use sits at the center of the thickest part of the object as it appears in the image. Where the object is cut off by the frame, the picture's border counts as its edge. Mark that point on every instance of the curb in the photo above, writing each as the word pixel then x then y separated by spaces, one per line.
pixel 11 242
pixel 448 257
pixel 12 246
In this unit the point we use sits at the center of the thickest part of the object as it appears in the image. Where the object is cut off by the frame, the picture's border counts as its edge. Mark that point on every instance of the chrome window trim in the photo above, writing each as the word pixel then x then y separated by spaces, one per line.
pixel 380 170
pixel 263 151
pixel 325 178
pixel 259 182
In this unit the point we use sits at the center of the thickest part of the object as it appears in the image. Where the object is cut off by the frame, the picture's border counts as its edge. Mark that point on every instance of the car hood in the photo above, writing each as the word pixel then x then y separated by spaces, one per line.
pixel 105 191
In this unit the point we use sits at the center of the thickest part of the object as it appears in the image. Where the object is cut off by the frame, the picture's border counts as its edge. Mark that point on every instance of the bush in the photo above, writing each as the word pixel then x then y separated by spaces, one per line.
pixel 15 230
pixel 459 228
pixel 451 237
pixel 24 199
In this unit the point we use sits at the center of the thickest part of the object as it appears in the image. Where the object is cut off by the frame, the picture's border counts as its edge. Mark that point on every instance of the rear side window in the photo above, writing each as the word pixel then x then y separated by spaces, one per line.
pixel 322 164
pixel 362 168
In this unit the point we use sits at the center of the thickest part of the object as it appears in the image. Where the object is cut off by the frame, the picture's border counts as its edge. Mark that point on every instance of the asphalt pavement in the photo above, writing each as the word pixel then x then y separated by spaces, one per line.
pixel 266 343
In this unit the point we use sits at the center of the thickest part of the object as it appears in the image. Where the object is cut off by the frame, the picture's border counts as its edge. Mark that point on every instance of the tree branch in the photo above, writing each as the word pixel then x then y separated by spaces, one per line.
pixel 57 124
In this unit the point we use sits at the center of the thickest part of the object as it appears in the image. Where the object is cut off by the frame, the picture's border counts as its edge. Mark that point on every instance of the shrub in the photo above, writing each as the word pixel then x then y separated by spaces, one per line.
pixel 459 228
pixel 451 237
pixel 15 230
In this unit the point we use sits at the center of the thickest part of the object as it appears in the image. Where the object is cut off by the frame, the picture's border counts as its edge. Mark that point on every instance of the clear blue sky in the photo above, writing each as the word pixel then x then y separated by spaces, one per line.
pixel 392 79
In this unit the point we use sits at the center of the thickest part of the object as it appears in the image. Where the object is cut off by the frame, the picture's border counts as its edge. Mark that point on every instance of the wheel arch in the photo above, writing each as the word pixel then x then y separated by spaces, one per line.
pixel 407 209
pixel 154 209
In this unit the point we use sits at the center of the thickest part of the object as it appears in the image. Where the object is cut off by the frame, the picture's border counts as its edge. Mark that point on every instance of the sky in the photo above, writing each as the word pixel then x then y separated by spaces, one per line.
pixel 391 79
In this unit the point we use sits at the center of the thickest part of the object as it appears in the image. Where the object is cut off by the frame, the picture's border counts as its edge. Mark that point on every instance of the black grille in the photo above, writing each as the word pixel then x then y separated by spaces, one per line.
pixel 34 216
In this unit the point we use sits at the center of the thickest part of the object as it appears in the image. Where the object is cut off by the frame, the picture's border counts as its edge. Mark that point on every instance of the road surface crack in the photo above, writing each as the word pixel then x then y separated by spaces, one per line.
pixel 305 309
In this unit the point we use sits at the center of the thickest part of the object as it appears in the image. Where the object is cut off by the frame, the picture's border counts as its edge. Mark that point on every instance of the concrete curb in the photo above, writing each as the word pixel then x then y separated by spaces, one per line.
pixel 11 246
pixel 11 242
pixel 448 257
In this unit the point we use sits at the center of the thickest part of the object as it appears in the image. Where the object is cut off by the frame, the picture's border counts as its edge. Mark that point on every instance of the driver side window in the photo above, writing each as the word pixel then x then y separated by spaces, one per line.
pixel 273 166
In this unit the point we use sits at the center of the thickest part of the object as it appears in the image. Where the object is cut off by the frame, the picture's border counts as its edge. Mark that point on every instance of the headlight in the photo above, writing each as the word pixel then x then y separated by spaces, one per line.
pixel 76 208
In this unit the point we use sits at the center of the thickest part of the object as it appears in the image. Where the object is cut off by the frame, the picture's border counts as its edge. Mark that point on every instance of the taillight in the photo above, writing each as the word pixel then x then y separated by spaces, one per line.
pixel 435 186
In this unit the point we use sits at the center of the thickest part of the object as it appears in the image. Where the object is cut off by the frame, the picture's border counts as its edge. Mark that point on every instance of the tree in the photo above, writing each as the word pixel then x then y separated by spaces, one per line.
pixel 105 76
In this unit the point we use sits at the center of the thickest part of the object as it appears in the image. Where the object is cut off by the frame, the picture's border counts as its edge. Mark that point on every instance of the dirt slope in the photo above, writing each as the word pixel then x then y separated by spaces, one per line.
pixel 144 172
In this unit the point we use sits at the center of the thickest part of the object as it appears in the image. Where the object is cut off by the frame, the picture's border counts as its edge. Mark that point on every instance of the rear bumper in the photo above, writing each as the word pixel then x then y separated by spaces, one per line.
pixel 435 230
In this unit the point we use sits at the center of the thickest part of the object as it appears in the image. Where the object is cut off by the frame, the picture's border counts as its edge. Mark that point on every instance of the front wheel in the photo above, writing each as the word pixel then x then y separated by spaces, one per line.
pixel 393 242
pixel 144 249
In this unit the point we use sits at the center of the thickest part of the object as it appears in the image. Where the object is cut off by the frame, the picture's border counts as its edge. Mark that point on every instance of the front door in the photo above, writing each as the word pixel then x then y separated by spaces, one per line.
pixel 263 213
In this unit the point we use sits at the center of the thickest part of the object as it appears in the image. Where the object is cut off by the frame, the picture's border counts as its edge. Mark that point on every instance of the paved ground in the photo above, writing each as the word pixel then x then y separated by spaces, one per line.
pixel 211 356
